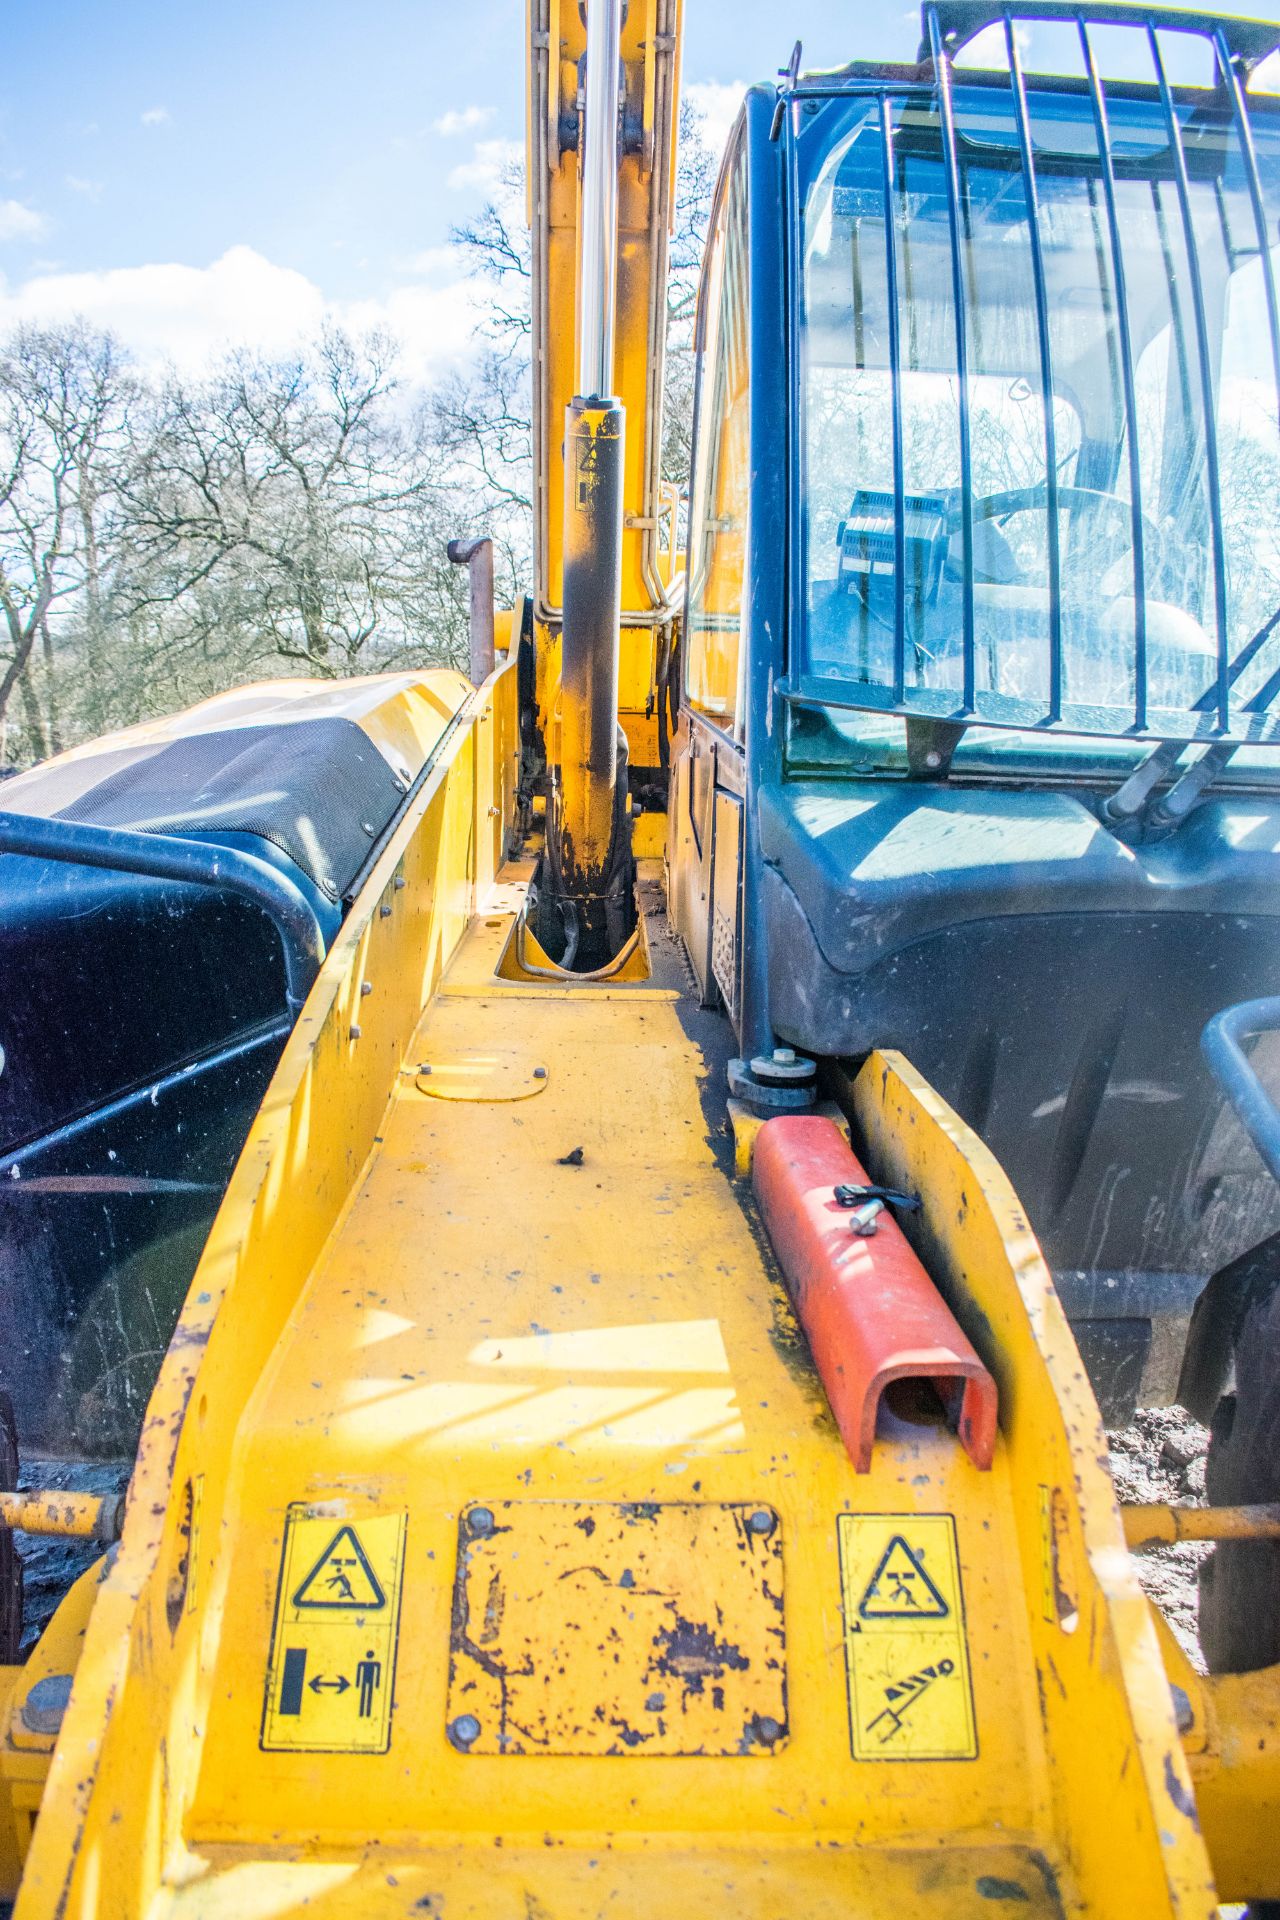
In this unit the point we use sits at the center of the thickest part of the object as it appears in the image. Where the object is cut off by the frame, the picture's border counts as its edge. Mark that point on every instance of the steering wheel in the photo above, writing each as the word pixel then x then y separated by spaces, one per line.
pixel 998 506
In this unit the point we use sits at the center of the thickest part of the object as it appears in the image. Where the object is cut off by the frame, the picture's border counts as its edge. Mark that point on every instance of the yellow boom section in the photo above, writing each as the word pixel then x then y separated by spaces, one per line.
pixel 646 185
pixel 491 1549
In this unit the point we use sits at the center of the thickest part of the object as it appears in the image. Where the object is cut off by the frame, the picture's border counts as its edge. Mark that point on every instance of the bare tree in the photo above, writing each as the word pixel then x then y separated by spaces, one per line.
pixel 483 417
pixel 288 498
pixel 64 407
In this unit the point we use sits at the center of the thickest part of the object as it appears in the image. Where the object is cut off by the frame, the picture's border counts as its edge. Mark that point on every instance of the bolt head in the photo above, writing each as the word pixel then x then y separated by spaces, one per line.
pixel 480 1520
pixel 768 1730
pixel 784 1056
pixel 761 1521
pixel 464 1730
pixel 44 1706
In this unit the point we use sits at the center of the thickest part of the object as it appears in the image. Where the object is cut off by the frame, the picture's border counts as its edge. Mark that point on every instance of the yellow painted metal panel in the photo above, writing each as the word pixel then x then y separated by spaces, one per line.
pixel 637 1628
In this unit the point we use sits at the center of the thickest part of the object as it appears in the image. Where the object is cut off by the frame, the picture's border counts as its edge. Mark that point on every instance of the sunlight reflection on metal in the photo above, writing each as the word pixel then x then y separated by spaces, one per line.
pixel 671 1346
pixel 491 1416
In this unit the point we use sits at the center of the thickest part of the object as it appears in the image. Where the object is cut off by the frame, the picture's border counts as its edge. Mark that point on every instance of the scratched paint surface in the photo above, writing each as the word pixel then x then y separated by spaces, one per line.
pixel 596 1628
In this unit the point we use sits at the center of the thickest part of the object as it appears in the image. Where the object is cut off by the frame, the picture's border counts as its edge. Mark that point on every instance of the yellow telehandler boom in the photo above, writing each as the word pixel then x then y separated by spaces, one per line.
pixel 621 1451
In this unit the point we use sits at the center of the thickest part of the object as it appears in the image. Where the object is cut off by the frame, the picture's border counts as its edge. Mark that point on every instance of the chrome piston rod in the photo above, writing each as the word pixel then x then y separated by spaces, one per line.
pixel 598 268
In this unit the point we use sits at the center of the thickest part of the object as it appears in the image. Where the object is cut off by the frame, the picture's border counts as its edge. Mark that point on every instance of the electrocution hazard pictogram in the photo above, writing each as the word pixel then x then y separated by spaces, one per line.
pixel 906 1645
pixel 331 1667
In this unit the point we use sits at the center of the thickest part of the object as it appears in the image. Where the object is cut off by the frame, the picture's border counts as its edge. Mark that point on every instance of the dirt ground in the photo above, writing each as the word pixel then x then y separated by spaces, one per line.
pixel 1161 1457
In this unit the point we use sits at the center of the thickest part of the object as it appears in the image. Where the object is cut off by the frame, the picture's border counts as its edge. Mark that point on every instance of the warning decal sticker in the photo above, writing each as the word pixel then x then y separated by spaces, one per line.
pixel 331 1667
pixel 906 1647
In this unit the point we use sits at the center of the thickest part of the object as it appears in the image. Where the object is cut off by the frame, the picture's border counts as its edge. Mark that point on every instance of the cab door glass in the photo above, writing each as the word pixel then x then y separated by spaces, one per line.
pixel 719 506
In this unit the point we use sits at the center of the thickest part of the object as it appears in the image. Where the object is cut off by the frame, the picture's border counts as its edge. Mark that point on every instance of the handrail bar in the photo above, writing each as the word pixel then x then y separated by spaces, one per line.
pixel 1238 1078
pixel 201 863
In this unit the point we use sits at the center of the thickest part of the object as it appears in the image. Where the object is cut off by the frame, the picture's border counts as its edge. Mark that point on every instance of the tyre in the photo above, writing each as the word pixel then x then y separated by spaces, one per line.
pixel 10 1563
pixel 1240 1580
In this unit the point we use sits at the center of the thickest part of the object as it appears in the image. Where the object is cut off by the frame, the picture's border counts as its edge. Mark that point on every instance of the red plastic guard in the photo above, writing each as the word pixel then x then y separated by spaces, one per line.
pixel 871 1312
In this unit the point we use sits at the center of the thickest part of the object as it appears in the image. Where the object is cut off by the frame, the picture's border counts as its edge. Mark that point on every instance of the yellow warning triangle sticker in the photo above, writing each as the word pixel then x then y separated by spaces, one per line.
pixel 342 1579
pixel 900 1589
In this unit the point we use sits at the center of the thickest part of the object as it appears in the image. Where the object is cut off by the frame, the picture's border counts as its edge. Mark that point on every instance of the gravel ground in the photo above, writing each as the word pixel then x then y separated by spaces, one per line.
pixel 1161 1458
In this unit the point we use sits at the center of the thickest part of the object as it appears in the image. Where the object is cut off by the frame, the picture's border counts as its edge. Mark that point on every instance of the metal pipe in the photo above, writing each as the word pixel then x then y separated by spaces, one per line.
pixel 1254 1107
pixel 1239 108
pixel 664 52
pixel 1207 397
pixel 68 1516
pixel 959 292
pixel 1161 1526
pixel 1032 200
pixel 598 271
pixel 477 557
pixel 890 187
pixel 1103 131
pixel 200 863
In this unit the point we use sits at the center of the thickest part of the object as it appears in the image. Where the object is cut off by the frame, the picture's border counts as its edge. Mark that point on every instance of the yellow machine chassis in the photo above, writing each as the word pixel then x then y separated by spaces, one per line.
pixel 413 1310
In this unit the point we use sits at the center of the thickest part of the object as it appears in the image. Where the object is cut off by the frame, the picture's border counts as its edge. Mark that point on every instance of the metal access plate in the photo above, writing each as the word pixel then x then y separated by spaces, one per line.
pixel 593 1628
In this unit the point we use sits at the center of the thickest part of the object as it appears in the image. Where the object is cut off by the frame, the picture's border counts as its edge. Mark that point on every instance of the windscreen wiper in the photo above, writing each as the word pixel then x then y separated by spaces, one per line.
pixel 1131 799
pixel 1173 808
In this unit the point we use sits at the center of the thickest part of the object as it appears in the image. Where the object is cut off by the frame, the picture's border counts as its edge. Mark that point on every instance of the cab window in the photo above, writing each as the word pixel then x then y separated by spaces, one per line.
pixel 721 469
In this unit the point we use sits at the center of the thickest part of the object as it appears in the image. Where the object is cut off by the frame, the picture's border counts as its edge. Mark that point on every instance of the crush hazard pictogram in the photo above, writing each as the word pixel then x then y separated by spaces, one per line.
pixel 330 1680
pixel 900 1589
pixel 342 1578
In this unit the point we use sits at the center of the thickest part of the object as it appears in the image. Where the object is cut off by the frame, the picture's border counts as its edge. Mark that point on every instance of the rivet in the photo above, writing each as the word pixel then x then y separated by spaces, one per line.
pixel 355 1033
pixel 385 910
pixel 464 1730
pixel 539 1073
pixel 480 1520
pixel 399 883
pixel 366 986
pixel 761 1521
pixel 768 1729
pixel 1182 1713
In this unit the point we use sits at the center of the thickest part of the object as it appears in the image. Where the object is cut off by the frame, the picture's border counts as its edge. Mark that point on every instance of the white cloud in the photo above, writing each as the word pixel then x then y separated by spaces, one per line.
pixel 166 311
pixel 483 172
pixel 717 101
pixel 155 116
pixel 462 120
pixel 91 189
pixel 431 263
pixel 18 222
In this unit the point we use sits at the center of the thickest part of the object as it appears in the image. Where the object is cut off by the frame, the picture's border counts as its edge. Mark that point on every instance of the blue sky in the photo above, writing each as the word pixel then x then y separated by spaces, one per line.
pixel 192 174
